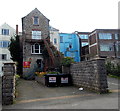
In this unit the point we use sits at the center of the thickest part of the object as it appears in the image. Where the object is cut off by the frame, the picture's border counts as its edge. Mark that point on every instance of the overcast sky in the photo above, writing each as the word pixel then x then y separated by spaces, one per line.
pixel 66 15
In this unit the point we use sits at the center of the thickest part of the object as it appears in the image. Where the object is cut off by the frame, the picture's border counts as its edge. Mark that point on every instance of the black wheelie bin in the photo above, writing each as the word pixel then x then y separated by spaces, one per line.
pixel 65 80
pixel 51 80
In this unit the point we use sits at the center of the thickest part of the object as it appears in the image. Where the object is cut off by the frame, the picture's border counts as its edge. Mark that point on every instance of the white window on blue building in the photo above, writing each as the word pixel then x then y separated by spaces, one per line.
pixel 84 44
pixel 84 36
pixel 36 20
pixel 61 39
pixel 105 36
pixel 5 31
pixel 36 34
pixel 55 41
pixel 106 47
pixel 4 44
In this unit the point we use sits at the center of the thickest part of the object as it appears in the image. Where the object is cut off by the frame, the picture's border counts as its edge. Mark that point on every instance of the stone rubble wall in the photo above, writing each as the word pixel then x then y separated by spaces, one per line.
pixel 8 84
pixel 90 75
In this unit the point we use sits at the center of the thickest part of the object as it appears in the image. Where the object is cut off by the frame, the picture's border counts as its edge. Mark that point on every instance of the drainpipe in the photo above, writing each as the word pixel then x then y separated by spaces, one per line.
pixel 114 45
pixel 16 29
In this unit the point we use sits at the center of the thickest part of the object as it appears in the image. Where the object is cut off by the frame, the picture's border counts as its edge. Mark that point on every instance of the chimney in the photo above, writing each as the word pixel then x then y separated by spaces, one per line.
pixel 16 29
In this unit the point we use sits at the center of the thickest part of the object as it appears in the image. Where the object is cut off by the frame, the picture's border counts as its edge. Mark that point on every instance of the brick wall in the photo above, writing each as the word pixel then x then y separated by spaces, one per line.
pixel 90 75
pixel 8 84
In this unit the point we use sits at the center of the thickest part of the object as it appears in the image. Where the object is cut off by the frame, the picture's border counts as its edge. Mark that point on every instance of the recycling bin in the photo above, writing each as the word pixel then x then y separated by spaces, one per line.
pixel 64 80
pixel 51 80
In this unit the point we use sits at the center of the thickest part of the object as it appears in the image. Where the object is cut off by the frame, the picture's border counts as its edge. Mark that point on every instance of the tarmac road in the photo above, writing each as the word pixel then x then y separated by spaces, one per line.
pixel 33 95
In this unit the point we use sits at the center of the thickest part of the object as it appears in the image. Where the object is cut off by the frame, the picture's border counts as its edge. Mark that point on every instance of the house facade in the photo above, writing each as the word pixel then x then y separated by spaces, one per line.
pixel 38 52
pixel 70 45
pixel 54 37
pixel 104 43
pixel 35 28
pixel 6 32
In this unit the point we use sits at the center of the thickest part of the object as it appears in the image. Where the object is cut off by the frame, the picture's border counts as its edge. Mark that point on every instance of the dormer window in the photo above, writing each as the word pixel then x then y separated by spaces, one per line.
pixel 35 20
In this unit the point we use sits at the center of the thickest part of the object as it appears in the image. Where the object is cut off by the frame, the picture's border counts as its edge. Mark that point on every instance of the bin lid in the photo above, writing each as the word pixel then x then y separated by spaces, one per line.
pixel 51 74
pixel 64 74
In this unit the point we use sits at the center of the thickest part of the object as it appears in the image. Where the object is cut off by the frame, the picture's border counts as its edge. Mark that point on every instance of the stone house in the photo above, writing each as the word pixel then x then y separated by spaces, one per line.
pixel 37 50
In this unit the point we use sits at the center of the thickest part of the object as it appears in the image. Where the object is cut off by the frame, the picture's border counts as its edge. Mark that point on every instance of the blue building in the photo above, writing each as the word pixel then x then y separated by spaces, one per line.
pixel 70 45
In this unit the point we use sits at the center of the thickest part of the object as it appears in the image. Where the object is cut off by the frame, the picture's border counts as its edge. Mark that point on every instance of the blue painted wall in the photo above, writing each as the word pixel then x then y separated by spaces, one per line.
pixel 70 45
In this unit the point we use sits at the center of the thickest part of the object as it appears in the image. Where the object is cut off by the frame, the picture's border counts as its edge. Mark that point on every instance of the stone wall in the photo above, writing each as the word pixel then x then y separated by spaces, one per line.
pixel 27 41
pixel 8 84
pixel 28 26
pixel 90 75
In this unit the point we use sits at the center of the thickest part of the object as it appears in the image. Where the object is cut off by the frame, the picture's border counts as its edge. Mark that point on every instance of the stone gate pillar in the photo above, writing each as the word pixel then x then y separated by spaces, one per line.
pixel 8 83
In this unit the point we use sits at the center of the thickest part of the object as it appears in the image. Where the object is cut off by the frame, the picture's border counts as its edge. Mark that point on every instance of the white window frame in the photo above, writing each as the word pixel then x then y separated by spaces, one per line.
pixel 7 31
pixel 105 36
pixel 36 34
pixel 33 49
pixel 6 43
pixel 106 47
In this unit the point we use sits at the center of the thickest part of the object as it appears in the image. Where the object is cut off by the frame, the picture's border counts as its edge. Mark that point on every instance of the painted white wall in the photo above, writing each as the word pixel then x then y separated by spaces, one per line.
pixel 54 33
pixel 5 50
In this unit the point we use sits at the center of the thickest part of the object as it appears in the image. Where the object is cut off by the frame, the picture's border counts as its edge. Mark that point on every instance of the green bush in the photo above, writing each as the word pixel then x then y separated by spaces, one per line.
pixel 113 69
pixel 66 61
pixel 53 72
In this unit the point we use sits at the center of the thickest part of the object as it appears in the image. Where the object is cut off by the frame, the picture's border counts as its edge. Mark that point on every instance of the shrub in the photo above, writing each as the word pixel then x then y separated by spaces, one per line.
pixel 113 69
pixel 66 61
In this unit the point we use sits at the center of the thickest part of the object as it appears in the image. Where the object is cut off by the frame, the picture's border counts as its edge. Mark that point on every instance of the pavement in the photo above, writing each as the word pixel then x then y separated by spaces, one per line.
pixel 33 95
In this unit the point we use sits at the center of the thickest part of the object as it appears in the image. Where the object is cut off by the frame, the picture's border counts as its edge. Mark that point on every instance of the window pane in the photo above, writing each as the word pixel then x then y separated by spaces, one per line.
pixel 36 34
pixel 36 46
pixel 55 41
pixel 83 36
pixel 36 21
pixel 32 49
pixel 4 57
pixel 105 36
pixel 5 31
pixel 61 38
pixel 1 44
pixel 84 43
pixel 5 44
pixel 116 36
pixel 35 49
pixel 106 47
